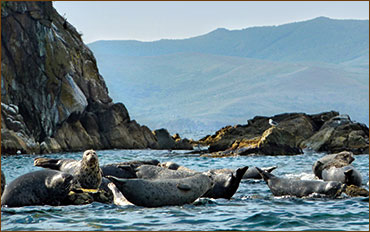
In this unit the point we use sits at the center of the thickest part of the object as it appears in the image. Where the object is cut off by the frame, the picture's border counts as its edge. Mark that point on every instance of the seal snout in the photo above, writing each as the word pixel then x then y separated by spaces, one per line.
pixel 90 156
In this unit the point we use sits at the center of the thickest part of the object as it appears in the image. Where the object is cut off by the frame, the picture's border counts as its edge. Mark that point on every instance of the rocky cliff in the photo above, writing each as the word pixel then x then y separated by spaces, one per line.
pixel 52 96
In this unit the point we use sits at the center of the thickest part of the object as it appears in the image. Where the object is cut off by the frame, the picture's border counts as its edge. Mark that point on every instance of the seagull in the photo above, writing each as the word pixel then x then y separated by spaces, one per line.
pixel 272 122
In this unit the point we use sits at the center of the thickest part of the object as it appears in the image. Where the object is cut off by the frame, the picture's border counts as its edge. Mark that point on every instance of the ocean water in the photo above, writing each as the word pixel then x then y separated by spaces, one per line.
pixel 253 207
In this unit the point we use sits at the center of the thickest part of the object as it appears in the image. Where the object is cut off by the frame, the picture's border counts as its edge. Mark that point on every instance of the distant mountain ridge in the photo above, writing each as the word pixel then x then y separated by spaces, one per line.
pixel 317 40
pixel 225 77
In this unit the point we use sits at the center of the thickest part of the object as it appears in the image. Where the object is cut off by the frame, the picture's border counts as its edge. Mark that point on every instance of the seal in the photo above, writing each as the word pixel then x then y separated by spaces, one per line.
pixel 301 188
pixel 3 182
pixel 44 187
pixel 86 171
pixel 126 169
pixel 157 172
pixel 252 172
pixel 175 166
pixel 226 182
pixel 338 160
pixel 347 175
pixel 118 170
pixel 163 192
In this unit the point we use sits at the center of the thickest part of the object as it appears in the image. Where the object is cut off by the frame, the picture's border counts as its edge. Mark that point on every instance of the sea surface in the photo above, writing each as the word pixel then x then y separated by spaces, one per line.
pixel 252 207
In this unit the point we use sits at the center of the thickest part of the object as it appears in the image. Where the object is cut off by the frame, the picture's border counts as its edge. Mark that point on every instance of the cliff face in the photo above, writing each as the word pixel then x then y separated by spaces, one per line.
pixel 53 97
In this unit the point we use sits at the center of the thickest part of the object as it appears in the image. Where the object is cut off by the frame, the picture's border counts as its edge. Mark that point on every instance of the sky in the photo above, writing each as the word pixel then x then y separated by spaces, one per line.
pixel 149 20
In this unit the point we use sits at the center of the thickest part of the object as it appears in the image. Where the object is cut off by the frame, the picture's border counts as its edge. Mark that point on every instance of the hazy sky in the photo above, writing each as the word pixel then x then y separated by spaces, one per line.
pixel 148 21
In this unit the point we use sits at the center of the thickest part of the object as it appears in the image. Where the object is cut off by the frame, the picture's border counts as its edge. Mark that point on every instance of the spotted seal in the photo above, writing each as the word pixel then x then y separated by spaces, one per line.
pixel 301 188
pixel 347 175
pixel 44 187
pixel 158 172
pixel 175 166
pixel 226 181
pixel 338 160
pixel 163 192
pixel 86 171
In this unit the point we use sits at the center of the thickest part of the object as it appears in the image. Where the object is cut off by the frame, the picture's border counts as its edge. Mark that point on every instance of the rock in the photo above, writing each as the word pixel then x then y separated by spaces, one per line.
pixel 321 118
pixel 165 141
pixel 324 132
pixel 274 141
pixel 176 137
pixel 53 97
pixel 355 191
pixel 183 144
pixel 298 125
pixel 15 135
pixel 338 134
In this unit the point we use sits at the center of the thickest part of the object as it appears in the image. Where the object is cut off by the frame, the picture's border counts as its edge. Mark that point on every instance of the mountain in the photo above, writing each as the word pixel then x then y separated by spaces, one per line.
pixel 319 40
pixel 226 77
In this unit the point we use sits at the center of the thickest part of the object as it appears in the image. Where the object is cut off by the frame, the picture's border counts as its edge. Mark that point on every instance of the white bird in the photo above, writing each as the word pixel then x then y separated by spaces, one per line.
pixel 272 122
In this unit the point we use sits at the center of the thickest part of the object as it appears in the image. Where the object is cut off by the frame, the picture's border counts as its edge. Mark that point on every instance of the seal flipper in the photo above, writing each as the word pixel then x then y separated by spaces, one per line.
pixel 270 169
pixel 47 163
pixel 118 197
pixel 265 175
pixel 348 175
pixel 240 172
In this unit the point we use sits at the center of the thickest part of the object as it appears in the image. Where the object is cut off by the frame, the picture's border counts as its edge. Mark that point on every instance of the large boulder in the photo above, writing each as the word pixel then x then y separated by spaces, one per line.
pixel 53 97
pixel 273 141
pixel 338 134
pixel 166 141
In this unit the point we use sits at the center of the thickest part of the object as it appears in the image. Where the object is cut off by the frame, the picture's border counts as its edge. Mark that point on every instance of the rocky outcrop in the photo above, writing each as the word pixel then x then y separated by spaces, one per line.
pixel 273 141
pixel 53 97
pixel 165 141
pixel 324 132
pixel 340 133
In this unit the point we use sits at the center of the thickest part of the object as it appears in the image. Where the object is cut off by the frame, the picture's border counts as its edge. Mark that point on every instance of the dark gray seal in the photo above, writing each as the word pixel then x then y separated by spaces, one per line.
pixel 347 175
pixel 301 188
pixel 126 169
pixel 226 182
pixel 44 187
pixel 3 182
pixel 157 172
pixel 252 172
pixel 86 171
pixel 175 166
pixel 119 170
pixel 338 160
pixel 137 163
pixel 163 192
